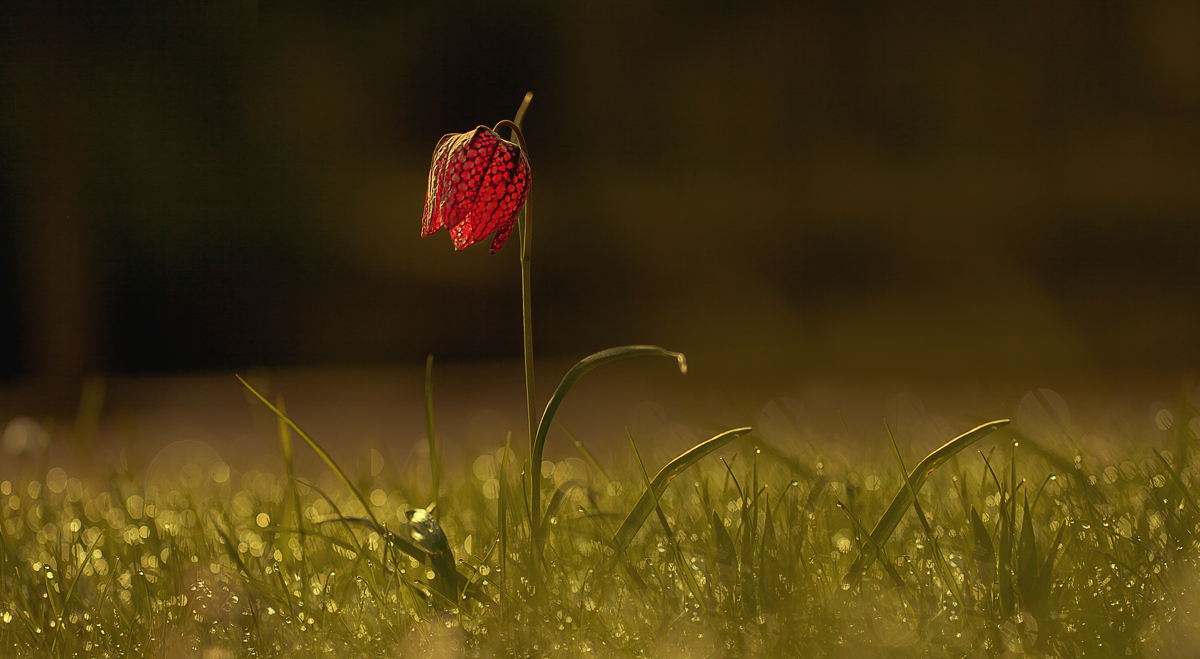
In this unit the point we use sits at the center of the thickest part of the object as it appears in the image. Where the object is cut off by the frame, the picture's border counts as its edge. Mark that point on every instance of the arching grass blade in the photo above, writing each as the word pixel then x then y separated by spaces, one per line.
pixel 646 503
pixel 904 498
pixel 539 440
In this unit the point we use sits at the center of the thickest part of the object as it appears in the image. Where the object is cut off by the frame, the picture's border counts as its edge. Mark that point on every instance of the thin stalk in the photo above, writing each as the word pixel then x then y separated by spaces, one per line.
pixel 535 470
pixel 435 467
pixel 285 444
pixel 527 317
pixel 502 515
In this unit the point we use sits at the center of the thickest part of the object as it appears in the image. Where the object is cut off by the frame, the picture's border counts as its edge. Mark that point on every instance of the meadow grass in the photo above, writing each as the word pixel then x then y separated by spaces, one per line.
pixel 999 544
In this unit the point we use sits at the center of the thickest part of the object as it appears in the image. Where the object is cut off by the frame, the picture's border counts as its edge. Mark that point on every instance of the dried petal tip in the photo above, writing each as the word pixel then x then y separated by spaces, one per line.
pixel 477 185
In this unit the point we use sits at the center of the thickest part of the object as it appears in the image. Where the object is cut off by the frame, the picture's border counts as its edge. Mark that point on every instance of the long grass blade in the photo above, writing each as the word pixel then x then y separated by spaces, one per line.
pixel 405 546
pixel 539 441
pixel 984 551
pixel 1040 595
pixel 435 461
pixel 1027 560
pixel 586 454
pixel 285 447
pixel 1004 561
pixel 681 565
pixel 904 498
pixel 321 452
pixel 726 557
pixel 768 552
pixel 646 503
pixel 940 563
pixel 877 551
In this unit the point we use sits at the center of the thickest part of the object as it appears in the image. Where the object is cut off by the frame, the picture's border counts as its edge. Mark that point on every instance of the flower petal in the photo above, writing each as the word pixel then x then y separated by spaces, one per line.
pixel 436 198
pixel 477 186
pixel 502 236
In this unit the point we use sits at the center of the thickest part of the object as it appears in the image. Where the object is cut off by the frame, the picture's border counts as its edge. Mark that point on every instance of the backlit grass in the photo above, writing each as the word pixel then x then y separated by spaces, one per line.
pixel 1027 547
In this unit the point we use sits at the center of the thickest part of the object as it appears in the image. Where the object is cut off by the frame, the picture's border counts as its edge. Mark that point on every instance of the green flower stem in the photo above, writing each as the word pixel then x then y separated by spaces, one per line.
pixel 535 470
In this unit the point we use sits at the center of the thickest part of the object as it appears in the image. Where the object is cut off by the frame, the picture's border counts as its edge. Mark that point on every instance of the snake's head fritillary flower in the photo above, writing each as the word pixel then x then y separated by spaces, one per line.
pixel 477 185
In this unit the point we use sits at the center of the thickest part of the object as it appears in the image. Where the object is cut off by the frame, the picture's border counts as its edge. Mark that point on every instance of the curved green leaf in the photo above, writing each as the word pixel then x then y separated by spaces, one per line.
pixel 649 499
pixel 904 498
pixel 578 371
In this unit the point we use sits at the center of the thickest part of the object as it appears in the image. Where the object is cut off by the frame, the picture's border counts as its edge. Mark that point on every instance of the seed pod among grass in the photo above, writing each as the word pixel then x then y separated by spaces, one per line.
pixel 428 535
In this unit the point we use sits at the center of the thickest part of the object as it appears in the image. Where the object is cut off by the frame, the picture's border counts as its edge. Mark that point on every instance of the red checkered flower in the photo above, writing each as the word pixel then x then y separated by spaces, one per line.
pixel 477 185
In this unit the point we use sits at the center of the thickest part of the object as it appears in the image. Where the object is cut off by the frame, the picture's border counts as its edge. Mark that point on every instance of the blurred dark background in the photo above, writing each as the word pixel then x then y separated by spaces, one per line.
pixel 940 189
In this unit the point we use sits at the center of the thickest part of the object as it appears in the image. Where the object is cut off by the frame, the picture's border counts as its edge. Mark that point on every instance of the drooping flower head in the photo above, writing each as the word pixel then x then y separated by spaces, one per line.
pixel 477 185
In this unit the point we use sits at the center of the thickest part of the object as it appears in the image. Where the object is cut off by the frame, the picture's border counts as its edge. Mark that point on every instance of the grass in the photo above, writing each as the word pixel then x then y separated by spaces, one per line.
pixel 993 544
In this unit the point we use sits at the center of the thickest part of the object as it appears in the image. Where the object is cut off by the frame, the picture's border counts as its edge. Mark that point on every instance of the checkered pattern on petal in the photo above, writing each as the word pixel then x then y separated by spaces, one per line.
pixel 477 185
